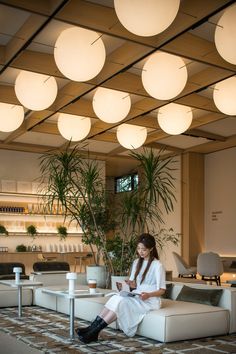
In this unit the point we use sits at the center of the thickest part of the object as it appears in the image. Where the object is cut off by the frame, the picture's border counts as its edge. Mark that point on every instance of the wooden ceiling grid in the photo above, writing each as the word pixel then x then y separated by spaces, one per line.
pixel 121 71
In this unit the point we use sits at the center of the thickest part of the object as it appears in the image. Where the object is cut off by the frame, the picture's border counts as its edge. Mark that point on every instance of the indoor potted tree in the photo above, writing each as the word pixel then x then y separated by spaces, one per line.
pixel 139 210
pixel 76 183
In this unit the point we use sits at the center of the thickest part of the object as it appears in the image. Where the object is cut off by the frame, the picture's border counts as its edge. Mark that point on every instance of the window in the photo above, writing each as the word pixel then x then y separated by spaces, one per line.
pixel 126 183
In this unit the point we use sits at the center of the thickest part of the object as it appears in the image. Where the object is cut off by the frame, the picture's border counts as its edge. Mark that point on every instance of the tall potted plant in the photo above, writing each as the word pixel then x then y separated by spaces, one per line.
pixel 76 183
pixel 142 209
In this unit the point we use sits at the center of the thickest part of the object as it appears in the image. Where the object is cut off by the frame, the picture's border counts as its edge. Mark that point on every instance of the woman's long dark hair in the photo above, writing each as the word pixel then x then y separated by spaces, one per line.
pixel 149 242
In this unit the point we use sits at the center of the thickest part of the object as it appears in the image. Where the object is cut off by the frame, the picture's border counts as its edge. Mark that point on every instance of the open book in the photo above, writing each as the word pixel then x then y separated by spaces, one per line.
pixel 124 290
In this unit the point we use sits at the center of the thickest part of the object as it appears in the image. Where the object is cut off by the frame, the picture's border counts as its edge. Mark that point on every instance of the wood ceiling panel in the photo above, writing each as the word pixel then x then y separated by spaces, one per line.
pixel 198 49
pixel 121 71
pixel 33 23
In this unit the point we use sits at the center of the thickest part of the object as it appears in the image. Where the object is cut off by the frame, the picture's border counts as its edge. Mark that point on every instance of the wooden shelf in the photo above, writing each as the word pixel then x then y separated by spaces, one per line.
pixel 42 234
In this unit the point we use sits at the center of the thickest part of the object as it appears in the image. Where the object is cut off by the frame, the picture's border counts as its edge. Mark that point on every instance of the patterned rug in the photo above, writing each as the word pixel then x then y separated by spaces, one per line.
pixel 48 331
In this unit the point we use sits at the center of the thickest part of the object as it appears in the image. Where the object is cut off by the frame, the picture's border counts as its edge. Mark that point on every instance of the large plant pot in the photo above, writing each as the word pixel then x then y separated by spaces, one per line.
pixel 117 278
pixel 98 273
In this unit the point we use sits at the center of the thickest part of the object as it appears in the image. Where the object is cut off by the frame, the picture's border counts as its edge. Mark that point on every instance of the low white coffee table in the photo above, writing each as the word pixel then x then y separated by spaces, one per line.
pixel 19 286
pixel 77 294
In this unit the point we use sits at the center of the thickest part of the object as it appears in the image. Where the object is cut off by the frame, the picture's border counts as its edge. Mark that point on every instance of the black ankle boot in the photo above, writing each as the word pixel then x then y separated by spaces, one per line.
pixel 82 331
pixel 92 334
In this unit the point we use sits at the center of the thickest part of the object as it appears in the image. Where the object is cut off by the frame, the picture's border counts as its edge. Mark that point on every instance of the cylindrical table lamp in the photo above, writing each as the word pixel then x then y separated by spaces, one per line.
pixel 72 278
pixel 17 271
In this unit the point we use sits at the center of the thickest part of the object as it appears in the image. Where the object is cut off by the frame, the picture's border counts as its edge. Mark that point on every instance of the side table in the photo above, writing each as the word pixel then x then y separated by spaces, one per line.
pixel 19 285
pixel 77 294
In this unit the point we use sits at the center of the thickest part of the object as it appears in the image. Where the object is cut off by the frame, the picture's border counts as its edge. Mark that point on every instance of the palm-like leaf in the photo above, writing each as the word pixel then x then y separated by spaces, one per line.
pixel 142 208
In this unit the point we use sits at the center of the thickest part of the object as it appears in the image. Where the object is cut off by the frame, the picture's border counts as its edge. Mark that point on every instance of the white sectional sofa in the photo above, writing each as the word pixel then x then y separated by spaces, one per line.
pixel 176 320
pixel 9 296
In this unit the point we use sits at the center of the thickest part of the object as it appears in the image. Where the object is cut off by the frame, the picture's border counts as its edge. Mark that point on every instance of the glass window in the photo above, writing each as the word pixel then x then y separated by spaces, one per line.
pixel 126 183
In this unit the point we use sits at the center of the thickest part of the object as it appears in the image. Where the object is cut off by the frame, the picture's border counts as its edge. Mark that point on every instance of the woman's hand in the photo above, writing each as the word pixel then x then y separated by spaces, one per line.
pixel 144 296
pixel 131 283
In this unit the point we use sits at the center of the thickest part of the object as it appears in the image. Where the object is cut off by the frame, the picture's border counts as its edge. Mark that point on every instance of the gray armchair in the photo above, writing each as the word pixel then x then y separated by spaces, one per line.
pixel 184 270
pixel 210 266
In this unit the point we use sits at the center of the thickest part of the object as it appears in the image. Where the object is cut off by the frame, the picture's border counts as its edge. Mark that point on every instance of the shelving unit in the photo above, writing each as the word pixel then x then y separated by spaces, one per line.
pixel 33 211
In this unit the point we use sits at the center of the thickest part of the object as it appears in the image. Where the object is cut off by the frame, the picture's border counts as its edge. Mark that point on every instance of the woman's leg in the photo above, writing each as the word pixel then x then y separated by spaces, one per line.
pixel 108 315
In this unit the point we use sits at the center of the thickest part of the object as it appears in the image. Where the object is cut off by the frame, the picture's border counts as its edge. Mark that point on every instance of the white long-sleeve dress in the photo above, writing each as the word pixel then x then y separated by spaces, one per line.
pixel 131 310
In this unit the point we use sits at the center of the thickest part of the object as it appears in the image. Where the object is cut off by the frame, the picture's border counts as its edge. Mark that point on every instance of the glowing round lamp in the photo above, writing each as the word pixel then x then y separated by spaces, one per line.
pixel 146 17
pixel 225 35
pixel 35 91
pixel 74 128
pixel 164 76
pixel 131 136
pixel 111 106
pixel 224 96
pixel 79 53
pixel 11 117
pixel 174 118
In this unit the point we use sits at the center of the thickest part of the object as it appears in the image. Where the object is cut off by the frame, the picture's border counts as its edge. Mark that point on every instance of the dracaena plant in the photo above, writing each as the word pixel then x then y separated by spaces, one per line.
pixel 76 183
pixel 110 224
pixel 142 209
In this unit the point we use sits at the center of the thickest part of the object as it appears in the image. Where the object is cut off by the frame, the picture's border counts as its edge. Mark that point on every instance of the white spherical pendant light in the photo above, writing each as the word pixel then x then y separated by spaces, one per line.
pixel 174 118
pixel 164 75
pixel 224 96
pixel 11 117
pixel 79 54
pixel 111 106
pixel 35 91
pixel 131 136
pixel 146 17
pixel 74 128
pixel 225 35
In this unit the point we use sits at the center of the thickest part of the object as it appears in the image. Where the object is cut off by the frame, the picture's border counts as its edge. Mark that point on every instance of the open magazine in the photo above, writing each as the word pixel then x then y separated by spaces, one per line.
pixel 124 290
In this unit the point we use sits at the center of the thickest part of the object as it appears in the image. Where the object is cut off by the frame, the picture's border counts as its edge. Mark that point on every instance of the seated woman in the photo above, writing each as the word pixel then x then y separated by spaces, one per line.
pixel 148 278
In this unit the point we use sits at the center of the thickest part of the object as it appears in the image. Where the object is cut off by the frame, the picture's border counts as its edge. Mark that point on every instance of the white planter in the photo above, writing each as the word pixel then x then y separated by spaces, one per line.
pixel 117 278
pixel 98 273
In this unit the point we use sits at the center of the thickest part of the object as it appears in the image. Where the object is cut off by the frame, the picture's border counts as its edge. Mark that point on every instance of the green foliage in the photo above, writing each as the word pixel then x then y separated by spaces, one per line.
pixel 21 248
pixel 76 183
pixel 62 232
pixel 122 252
pixel 3 230
pixel 32 231
pixel 140 210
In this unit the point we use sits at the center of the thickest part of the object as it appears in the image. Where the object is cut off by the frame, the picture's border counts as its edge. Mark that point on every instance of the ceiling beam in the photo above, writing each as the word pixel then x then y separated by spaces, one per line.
pixel 204 134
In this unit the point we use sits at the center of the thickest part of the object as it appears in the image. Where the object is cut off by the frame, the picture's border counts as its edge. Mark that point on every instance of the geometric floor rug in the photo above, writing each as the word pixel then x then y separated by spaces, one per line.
pixel 48 332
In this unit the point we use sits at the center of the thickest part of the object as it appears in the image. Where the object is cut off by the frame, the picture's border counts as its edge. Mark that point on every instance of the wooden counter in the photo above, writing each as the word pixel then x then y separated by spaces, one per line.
pixel 29 258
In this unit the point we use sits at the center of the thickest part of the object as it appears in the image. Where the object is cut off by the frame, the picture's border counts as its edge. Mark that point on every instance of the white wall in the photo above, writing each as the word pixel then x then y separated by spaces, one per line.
pixel 19 166
pixel 220 202
pixel 25 167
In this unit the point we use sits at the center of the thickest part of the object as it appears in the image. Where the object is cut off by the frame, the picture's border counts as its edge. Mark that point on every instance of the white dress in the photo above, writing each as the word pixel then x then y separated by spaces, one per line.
pixel 131 310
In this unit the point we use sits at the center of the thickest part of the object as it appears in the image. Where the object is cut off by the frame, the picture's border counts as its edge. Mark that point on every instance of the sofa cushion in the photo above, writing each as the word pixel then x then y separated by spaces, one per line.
pixel 168 291
pixel 57 278
pixel 200 296
pixel 50 266
pixel 179 320
pixel 9 297
pixel 12 276
pixel 6 268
